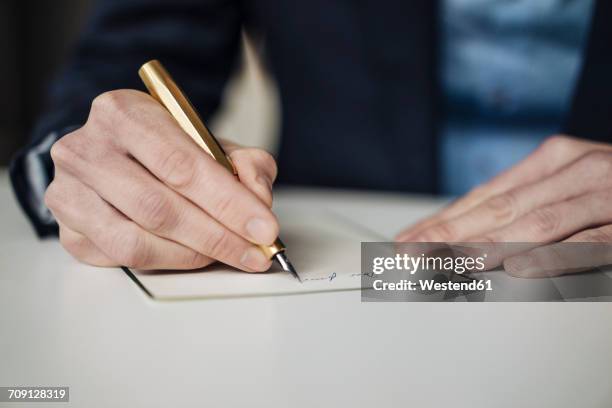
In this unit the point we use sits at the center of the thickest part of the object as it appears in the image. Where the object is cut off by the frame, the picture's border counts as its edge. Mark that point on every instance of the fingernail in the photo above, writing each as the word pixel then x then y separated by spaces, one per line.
pixel 260 231
pixel 254 259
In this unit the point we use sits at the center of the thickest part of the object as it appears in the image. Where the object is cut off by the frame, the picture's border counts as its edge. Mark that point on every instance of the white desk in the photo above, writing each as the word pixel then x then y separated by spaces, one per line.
pixel 66 324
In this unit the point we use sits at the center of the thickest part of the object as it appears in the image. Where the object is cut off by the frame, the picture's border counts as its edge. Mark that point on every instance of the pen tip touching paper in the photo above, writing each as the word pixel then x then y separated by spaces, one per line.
pixel 284 262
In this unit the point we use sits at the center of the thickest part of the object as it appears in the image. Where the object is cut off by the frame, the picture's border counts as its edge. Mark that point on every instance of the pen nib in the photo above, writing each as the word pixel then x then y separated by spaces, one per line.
pixel 282 259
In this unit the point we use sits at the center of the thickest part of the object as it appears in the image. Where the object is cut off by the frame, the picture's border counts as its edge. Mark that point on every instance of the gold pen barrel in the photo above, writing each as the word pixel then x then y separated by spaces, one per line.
pixel 162 87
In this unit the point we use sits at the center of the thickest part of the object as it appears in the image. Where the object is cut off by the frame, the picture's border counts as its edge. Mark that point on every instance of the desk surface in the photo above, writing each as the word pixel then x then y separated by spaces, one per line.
pixel 66 324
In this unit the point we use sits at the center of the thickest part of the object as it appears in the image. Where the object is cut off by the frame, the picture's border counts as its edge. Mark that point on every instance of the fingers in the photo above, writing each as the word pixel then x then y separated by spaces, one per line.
pixel 586 174
pixel 557 221
pixel 256 170
pixel 555 153
pixel 491 214
pixel 119 239
pixel 544 225
pixel 158 209
pixel 161 189
pixel 581 252
pixel 569 191
pixel 154 139
pixel 601 235
pixel 81 248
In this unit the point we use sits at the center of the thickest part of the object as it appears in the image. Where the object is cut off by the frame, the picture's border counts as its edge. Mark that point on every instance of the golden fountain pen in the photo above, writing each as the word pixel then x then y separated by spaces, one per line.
pixel 163 88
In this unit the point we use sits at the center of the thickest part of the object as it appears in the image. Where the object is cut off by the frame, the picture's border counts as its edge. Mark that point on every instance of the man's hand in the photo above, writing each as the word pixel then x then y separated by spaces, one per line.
pixel 561 192
pixel 131 188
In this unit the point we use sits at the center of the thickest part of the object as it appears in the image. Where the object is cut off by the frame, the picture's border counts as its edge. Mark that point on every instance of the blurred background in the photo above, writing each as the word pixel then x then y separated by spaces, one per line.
pixel 35 38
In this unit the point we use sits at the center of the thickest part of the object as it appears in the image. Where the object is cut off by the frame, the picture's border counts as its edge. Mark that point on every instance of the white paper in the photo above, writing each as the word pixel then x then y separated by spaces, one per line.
pixel 324 248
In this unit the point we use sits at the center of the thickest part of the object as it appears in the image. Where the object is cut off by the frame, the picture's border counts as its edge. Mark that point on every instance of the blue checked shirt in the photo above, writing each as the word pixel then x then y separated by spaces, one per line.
pixel 508 69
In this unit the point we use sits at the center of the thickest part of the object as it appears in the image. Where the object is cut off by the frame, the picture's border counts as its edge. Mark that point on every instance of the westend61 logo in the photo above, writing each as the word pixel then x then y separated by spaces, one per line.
pixel 412 264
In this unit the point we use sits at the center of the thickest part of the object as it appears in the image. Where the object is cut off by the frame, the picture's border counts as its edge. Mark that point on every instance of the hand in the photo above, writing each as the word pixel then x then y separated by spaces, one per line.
pixel 131 188
pixel 561 192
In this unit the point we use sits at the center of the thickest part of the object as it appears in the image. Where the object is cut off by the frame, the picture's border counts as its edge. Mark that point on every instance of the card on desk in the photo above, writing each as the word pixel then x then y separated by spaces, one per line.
pixel 323 247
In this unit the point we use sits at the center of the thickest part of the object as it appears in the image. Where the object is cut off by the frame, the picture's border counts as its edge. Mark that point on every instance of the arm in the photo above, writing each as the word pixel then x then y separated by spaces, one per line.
pixel 197 39
pixel 129 186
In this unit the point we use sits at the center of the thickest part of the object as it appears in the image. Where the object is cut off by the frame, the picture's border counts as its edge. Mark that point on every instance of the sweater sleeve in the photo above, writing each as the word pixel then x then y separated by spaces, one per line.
pixel 198 40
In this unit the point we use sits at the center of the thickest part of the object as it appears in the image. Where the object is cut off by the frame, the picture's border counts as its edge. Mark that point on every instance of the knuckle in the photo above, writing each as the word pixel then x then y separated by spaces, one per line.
pixel 217 243
pixel 558 145
pixel 267 161
pixel 112 108
pixel 503 207
pixel 195 260
pixel 545 221
pixel 599 164
pixel 52 196
pixel 74 244
pixel 157 212
pixel 178 170
pixel 223 207
pixel 77 153
pixel 56 151
pixel 108 102
pixel 443 232
pixel 63 152
pixel 118 100
pixel 129 249
pixel 516 266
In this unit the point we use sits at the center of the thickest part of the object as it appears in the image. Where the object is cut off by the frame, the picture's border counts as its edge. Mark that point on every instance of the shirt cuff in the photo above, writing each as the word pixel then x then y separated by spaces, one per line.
pixel 31 172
